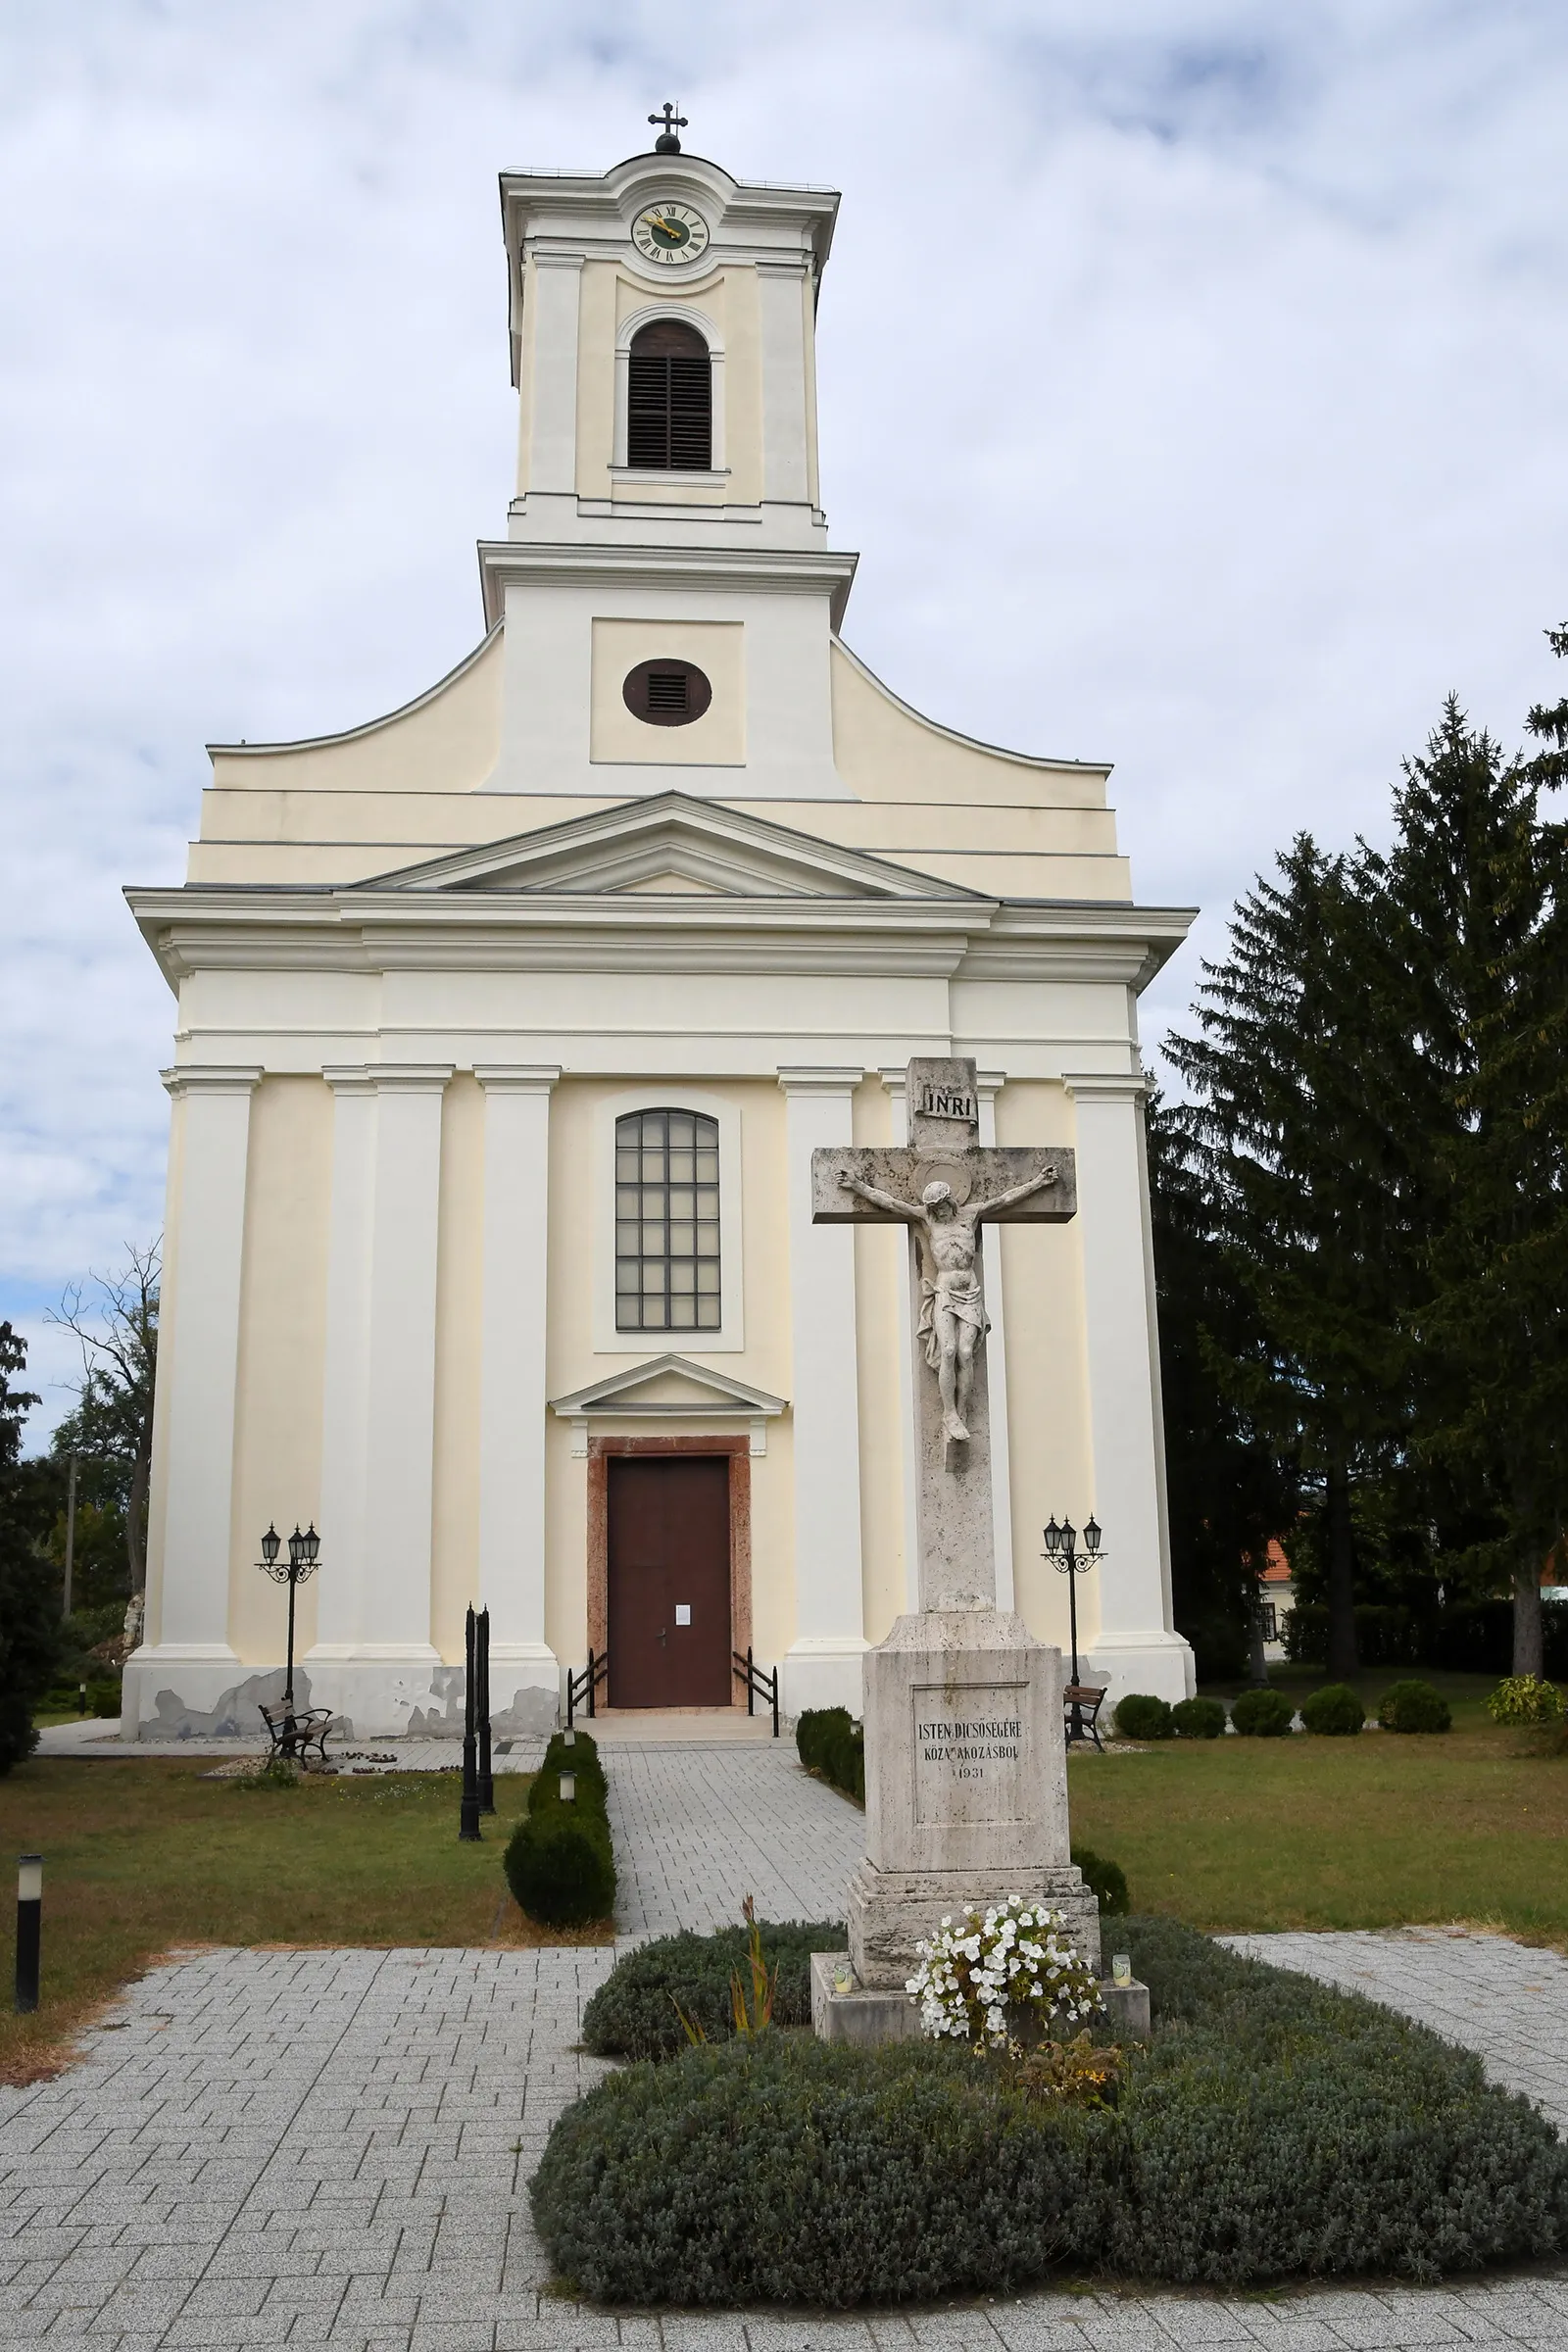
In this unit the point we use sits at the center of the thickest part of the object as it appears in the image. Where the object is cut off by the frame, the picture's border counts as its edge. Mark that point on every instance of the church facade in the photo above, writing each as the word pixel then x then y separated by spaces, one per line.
pixel 508 1025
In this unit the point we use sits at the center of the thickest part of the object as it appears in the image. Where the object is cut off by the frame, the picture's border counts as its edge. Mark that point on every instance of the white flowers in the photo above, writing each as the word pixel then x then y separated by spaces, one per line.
pixel 980 1976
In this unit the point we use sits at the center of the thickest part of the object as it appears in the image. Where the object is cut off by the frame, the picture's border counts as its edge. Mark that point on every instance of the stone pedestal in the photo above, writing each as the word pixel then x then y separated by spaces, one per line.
pixel 965 1787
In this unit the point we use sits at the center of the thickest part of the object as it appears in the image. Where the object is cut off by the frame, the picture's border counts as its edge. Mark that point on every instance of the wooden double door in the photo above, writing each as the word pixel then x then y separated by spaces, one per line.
pixel 670 1580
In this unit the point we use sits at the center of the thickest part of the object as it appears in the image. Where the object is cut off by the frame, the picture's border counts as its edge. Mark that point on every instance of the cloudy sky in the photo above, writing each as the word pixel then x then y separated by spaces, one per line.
pixel 1195 383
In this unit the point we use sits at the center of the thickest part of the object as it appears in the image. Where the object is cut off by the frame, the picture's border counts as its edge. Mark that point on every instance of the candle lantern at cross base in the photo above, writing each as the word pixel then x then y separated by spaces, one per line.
pixel 296 1570
pixel 1062 1551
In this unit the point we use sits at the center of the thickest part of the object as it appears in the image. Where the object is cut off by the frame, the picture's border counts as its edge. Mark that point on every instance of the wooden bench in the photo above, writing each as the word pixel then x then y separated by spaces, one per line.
pixel 293 1735
pixel 1086 1697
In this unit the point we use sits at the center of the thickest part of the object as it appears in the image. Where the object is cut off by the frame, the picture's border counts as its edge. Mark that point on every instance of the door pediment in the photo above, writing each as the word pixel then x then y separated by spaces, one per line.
pixel 669 1388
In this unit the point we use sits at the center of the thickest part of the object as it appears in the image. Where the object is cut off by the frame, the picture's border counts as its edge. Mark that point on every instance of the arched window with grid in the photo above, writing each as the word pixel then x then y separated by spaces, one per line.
pixel 666 1222
pixel 669 399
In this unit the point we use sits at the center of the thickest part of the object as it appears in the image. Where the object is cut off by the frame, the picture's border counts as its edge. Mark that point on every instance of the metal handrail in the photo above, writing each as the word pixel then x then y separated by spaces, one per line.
pixel 582 1686
pixel 758 1684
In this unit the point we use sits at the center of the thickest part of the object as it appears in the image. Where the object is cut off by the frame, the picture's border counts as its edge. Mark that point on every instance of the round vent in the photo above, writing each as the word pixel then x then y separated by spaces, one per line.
pixel 666 693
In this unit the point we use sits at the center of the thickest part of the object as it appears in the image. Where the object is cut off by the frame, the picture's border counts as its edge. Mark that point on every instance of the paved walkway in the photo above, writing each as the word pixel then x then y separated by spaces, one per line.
pixel 697 1829
pixel 330 2148
pixel 1497 1996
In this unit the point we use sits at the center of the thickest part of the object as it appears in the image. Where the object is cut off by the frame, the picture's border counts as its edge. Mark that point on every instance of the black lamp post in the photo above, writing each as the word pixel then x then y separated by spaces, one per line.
pixel 1062 1550
pixel 293 1572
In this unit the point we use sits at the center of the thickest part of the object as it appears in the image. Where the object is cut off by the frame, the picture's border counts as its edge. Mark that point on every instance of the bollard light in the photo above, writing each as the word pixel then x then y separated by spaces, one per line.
pixel 29 1922
pixel 569 1788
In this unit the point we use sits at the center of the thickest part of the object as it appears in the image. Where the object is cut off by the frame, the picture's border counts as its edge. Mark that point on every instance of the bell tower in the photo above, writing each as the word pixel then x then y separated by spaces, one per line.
pixel 666 586
pixel 663 346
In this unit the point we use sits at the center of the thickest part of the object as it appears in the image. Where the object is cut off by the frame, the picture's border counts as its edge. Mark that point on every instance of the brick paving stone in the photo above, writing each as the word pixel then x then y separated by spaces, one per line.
pixel 697 1829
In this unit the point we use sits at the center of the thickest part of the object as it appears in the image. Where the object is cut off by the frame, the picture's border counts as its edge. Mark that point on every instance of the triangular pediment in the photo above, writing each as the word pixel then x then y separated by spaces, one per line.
pixel 668 846
pixel 669 1388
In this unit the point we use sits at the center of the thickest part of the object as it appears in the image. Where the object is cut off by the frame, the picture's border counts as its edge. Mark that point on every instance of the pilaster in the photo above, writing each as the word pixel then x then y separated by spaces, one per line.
pixel 1137 1647
pixel 199 1364
pixel 513 1401
pixel 822 1667
pixel 552 442
pixel 786 477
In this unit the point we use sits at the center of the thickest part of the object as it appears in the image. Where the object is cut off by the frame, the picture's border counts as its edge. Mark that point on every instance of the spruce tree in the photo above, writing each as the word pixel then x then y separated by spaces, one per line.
pixel 1314 1177
pixel 1474 897
pixel 1231 1488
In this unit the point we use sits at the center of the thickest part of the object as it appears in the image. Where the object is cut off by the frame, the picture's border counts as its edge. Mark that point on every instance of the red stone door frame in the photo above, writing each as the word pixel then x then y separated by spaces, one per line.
pixel 739 1451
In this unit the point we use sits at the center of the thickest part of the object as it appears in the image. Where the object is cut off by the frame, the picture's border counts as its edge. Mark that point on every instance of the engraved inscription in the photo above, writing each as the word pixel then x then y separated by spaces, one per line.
pixel 971 1752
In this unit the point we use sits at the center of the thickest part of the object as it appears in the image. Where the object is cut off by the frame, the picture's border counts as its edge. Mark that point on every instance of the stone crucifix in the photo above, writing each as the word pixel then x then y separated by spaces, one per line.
pixel 944 1186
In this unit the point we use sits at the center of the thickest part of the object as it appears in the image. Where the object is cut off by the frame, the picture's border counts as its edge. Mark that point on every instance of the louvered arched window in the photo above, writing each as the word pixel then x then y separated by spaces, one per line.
pixel 669 399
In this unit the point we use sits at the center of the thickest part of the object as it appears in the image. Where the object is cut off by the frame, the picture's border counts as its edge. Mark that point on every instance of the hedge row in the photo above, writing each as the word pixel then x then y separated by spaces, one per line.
pixel 636 2012
pixel 560 1861
pixel 1274 2130
pixel 829 1740
pixel 1268 1714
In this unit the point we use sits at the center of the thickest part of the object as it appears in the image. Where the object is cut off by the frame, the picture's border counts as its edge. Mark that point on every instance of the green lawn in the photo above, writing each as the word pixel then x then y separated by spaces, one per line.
pixel 1375 1831
pixel 142 1856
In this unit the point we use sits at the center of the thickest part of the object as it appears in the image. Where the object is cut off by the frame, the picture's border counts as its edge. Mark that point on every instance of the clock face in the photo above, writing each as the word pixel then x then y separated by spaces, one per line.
pixel 669 233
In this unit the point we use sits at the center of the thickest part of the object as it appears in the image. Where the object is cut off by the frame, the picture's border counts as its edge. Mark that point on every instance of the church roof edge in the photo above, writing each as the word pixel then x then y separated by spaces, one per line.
pixel 368 726
pixel 970 743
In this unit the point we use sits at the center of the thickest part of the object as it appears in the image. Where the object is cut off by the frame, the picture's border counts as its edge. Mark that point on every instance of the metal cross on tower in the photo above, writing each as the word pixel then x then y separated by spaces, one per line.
pixel 667 142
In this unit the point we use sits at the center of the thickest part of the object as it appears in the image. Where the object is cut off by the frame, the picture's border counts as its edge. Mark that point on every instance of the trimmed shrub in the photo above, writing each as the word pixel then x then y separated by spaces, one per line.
pixel 1262 1714
pixel 1413 1707
pixel 829 1740
pixel 813 1728
pixel 1520 1698
pixel 1333 1712
pixel 1105 1880
pixel 1142 1717
pixel 558 1862
pixel 632 2015
pixel 1274 2128
pixel 1197 1718
pixel 580 1757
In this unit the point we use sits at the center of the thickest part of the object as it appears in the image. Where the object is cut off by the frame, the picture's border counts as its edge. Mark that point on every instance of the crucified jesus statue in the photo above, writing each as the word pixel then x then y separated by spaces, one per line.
pixel 952 1312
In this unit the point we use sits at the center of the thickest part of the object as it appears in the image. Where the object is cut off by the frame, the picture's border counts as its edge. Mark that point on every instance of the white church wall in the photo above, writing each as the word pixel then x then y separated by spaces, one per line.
pixel 1049 1455
pixel 546 741
pixel 345 837
pixel 566 1547
pixel 616 735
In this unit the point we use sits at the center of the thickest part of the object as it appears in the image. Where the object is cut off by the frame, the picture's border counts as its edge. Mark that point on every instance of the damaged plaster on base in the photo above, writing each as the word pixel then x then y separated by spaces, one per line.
pixel 368 1702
